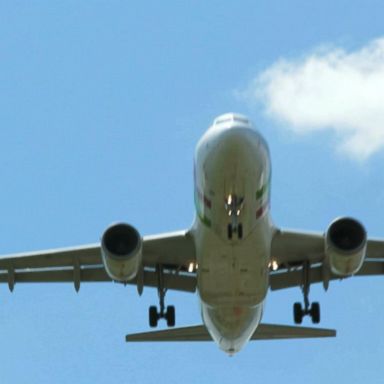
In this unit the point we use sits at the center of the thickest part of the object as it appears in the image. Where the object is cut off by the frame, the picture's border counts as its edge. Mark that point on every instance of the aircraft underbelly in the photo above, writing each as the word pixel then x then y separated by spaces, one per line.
pixel 233 269
pixel 233 274
pixel 232 174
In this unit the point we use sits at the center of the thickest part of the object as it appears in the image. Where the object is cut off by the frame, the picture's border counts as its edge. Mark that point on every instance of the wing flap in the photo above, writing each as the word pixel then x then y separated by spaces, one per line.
pixel 171 281
pixel 289 279
pixel 200 333
pixel 56 276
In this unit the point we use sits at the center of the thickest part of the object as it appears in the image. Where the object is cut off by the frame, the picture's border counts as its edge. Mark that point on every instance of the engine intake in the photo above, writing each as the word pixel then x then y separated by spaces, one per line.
pixel 345 246
pixel 121 248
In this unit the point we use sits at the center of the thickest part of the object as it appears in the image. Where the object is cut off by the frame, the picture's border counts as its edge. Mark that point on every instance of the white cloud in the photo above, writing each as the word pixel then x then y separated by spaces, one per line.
pixel 329 89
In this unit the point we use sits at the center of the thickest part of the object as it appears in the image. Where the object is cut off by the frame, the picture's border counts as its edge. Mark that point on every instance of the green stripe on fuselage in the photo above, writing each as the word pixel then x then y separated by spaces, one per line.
pixel 263 190
pixel 204 220
pixel 207 222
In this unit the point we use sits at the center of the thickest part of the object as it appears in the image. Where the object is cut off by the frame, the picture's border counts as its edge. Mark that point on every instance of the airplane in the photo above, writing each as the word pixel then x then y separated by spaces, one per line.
pixel 232 255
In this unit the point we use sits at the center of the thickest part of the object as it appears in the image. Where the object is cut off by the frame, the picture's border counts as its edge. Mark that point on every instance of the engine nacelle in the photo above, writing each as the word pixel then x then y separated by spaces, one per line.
pixel 345 246
pixel 121 249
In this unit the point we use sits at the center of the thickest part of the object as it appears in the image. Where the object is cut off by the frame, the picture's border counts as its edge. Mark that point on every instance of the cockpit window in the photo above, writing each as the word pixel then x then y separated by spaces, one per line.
pixel 229 118
pixel 240 119
pixel 225 120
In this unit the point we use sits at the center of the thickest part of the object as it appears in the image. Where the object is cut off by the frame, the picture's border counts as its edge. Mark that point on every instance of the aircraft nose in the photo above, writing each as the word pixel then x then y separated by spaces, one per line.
pixel 231 326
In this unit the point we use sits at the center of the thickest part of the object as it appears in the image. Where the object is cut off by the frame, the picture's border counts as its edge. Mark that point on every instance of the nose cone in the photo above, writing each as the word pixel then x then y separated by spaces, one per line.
pixel 235 147
pixel 231 326
pixel 233 133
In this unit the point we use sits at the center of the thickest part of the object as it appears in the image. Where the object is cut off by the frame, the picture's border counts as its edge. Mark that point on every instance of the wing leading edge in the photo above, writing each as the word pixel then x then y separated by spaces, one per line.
pixel 172 251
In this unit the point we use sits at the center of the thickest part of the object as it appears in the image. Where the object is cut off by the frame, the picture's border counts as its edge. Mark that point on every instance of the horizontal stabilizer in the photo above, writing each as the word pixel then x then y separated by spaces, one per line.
pixel 274 331
pixel 263 332
pixel 194 333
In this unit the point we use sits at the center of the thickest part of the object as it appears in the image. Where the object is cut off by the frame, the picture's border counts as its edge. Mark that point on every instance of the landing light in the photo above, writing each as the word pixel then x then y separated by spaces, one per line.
pixel 192 267
pixel 229 200
pixel 273 265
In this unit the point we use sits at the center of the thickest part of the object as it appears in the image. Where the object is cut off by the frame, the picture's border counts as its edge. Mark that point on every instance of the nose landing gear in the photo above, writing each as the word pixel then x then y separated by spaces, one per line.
pixel 233 206
pixel 235 229
pixel 155 315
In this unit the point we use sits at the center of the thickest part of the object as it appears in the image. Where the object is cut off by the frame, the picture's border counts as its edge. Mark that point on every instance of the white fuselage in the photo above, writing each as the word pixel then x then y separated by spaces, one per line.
pixel 233 229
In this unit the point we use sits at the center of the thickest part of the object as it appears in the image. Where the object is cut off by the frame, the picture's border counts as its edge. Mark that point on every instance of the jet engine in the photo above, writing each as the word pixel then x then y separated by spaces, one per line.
pixel 121 249
pixel 345 246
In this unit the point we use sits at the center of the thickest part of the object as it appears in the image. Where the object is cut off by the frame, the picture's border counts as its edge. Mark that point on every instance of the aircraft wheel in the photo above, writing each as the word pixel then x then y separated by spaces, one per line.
pixel 170 316
pixel 315 313
pixel 240 231
pixel 230 231
pixel 153 316
pixel 298 313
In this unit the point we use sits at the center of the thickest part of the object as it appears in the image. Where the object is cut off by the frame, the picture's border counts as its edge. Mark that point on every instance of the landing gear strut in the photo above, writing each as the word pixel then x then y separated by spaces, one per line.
pixel 312 310
pixel 154 314
pixel 233 206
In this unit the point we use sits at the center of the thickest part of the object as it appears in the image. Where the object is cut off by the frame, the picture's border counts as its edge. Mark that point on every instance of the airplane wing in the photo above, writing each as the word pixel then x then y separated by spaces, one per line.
pixel 172 251
pixel 263 332
pixel 292 249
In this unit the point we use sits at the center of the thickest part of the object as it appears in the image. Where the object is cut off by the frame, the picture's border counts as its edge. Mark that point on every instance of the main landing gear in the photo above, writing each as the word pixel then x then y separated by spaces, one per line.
pixel 168 314
pixel 312 310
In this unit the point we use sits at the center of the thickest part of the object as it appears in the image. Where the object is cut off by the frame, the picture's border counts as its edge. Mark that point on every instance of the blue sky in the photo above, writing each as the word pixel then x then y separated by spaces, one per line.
pixel 102 104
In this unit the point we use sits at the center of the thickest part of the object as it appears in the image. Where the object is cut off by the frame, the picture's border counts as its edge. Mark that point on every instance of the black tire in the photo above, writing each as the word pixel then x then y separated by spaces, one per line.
pixel 315 313
pixel 171 316
pixel 240 231
pixel 297 313
pixel 230 231
pixel 153 316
